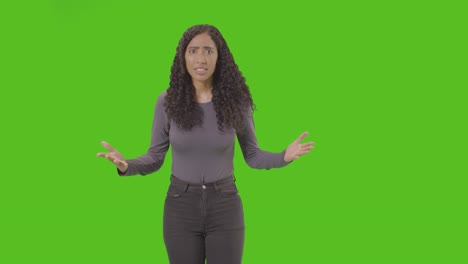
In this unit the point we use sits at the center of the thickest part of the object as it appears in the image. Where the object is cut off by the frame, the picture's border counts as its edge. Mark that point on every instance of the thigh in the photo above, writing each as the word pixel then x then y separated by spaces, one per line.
pixel 225 247
pixel 189 249
pixel 182 227
pixel 224 241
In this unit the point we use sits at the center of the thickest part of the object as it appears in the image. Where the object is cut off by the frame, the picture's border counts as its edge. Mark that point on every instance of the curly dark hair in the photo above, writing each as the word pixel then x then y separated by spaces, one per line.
pixel 231 95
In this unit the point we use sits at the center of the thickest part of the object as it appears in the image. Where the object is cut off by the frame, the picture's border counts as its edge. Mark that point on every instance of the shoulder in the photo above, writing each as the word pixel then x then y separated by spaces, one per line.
pixel 162 96
pixel 247 112
pixel 160 102
pixel 160 108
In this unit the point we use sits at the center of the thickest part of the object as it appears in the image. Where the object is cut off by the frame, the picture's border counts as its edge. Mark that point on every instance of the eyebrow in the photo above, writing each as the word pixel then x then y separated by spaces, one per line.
pixel 197 47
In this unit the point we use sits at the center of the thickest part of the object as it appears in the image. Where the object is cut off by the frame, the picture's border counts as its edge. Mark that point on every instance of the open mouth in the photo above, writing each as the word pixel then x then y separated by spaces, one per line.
pixel 200 70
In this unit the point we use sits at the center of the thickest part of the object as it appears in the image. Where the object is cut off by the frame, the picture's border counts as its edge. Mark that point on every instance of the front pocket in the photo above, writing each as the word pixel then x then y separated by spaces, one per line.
pixel 173 191
pixel 229 191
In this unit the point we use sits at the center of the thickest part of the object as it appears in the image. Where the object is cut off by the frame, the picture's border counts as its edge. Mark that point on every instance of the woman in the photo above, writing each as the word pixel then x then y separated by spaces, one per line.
pixel 205 107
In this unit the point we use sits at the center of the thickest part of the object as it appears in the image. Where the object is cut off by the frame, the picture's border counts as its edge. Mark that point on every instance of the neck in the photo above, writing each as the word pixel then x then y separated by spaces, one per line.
pixel 203 91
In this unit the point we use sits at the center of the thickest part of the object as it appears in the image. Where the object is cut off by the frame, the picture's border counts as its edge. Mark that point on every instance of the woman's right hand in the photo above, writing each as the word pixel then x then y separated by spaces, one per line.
pixel 114 156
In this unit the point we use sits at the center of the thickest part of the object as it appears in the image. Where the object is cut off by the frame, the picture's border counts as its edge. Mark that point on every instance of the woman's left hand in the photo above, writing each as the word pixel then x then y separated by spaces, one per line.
pixel 296 149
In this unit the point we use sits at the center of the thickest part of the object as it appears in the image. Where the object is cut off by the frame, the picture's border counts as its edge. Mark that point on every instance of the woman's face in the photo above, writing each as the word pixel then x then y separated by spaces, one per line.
pixel 200 58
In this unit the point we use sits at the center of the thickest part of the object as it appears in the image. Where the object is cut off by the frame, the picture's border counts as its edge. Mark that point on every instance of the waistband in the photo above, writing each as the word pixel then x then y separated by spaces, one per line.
pixel 213 185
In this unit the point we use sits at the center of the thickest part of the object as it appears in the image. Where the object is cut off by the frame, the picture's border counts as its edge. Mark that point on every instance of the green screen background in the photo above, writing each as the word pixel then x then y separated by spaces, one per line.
pixel 380 86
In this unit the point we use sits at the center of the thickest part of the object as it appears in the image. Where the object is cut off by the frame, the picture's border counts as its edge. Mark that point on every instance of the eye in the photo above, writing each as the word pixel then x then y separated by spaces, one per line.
pixel 210 51
pixel 191 51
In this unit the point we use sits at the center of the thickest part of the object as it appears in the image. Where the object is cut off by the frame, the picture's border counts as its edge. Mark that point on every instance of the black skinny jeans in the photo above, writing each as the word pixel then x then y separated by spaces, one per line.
pixel 203 222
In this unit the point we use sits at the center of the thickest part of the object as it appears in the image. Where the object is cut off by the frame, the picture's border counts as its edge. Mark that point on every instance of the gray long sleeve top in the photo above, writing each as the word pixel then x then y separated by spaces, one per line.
pixel 203 154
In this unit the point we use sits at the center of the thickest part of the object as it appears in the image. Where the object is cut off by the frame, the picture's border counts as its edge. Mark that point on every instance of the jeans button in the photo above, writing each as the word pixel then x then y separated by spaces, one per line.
pixel 203 186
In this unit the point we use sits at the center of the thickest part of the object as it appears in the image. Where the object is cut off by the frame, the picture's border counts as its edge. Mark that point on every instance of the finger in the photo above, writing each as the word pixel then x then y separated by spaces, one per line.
pixel 106 156
pixel 305 149
pixel 107 146
pixel 111 157
pixel 302 136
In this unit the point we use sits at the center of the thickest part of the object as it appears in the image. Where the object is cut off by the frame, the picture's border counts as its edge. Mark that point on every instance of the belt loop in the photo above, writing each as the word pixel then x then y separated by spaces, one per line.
pixel 234 177
pixel 216 186
pixel 186 187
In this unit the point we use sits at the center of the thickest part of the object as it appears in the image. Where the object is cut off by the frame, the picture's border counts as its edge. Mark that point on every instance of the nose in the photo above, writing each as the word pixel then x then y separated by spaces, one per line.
pixel 201 58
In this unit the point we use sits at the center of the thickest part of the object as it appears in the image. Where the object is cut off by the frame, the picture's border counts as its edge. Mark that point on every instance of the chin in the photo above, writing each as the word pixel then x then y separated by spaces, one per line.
pixel 201 78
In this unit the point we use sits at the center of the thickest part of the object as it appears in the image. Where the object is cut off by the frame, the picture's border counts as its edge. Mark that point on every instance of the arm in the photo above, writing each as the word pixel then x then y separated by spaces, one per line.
pixel 253 155
pixel 154 158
